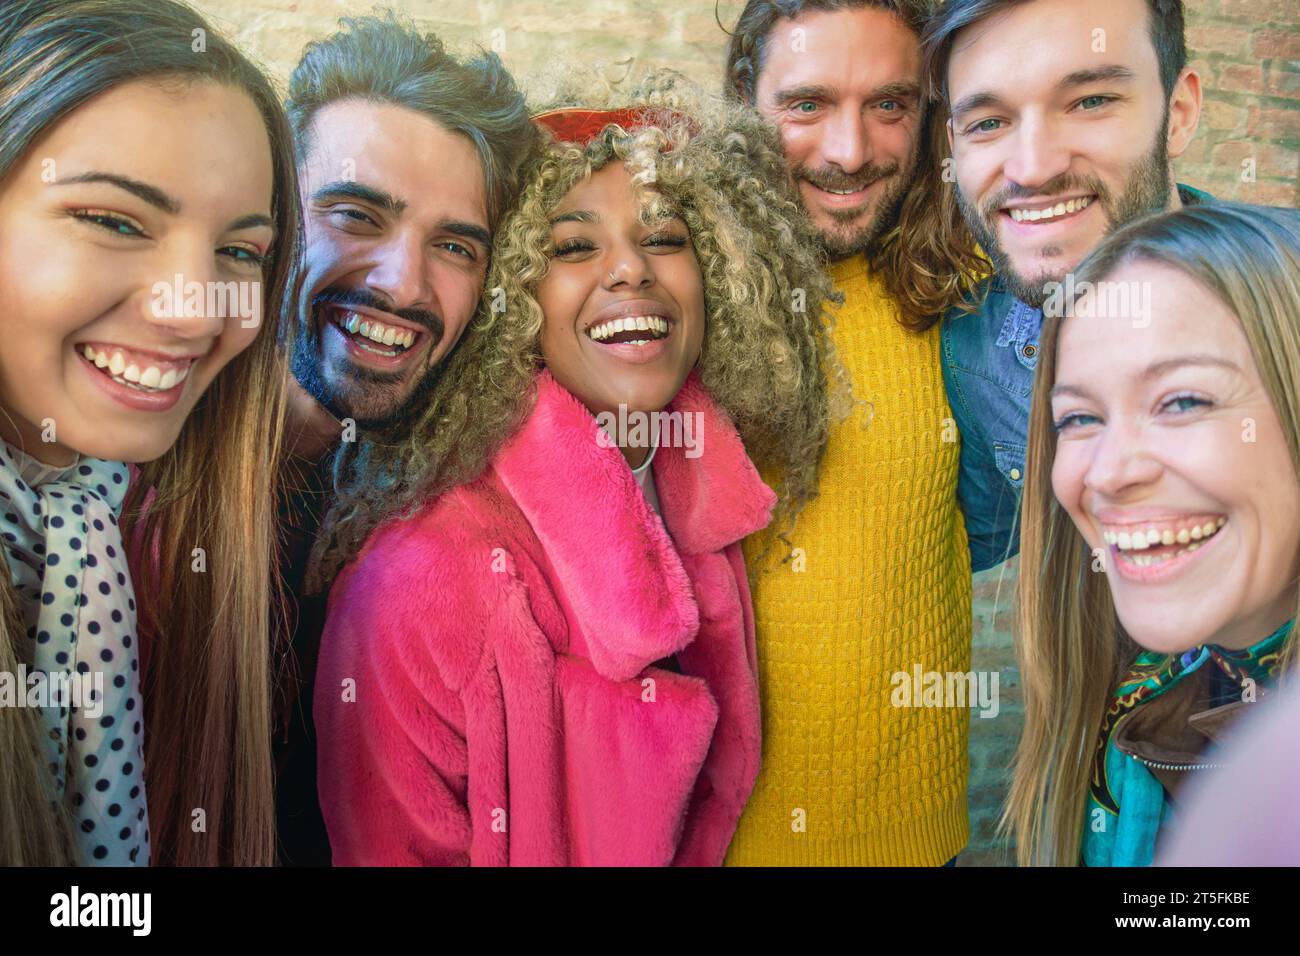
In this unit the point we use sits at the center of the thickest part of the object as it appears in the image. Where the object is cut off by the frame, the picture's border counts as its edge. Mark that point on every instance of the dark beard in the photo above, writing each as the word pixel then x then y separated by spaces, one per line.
pixel 306 359
pixel 837 245
pixel 1146 191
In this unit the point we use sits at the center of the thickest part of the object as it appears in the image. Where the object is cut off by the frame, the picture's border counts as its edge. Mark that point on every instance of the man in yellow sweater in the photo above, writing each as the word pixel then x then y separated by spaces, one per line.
pixel 877 581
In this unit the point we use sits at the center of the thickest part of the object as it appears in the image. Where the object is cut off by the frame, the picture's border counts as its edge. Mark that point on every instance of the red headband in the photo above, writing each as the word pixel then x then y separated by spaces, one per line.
pixel 581 126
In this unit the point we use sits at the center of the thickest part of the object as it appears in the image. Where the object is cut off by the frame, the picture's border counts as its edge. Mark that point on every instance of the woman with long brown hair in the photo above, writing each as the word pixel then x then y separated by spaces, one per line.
pixel 1161 543
pixel 148 222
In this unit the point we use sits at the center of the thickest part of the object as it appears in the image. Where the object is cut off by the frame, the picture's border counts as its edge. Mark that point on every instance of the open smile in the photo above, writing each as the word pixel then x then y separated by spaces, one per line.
pixel 635 332
pixel 141 380
pixel 1047 212
pixel 384 343
pixel 1157 550
pixel 844 198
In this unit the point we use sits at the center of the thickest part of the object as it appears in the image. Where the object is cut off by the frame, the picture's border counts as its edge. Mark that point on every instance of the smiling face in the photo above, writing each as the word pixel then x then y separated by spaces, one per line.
pixel 843 89
pixel 1171 458
pixel 142 184
pixel 1061 132
pixel 397 246
pixel 623 301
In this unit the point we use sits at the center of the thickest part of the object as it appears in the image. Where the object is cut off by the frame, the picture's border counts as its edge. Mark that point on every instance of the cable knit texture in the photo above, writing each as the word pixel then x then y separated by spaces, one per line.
pixel 847 778
pixel 489 688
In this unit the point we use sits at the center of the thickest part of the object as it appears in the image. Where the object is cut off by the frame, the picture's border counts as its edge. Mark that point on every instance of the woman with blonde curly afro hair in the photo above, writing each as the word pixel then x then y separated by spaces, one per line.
pixel 544 651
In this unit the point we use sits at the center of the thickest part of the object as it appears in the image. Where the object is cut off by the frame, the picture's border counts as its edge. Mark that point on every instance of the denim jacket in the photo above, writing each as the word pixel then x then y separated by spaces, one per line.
pixel 988 360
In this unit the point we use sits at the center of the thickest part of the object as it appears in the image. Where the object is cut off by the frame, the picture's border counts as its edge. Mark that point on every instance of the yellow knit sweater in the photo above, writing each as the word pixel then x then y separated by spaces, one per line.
pixel 881 584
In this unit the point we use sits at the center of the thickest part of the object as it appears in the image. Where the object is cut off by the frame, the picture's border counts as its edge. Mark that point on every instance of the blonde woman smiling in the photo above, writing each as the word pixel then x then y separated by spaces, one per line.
pixel 1162 527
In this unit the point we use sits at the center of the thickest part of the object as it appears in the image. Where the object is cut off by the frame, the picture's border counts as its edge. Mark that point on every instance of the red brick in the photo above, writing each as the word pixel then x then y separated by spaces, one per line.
pixel 1259 11
pixel 1272 123
pixel 1282 44
pixel 1226 117
pixel 1217 39
pixel 1239 78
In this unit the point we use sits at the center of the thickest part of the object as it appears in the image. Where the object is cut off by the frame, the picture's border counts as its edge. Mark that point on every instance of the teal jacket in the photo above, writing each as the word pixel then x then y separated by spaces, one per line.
pixel 1127 804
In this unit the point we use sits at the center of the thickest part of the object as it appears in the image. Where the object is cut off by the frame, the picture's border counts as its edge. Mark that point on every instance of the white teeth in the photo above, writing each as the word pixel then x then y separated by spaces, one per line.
pixel 640 323
pixel 1152 537
pixel 1051 212
pixel 151 378
pixel 379 333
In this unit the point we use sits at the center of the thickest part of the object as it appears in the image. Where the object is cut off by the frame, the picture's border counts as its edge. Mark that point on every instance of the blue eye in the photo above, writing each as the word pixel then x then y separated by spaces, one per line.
pixel 1073 420
pixel 1098 101
pixel 109 222
pixel 244 256
pixel 799 107
pixel 1185 403
pixel 984 126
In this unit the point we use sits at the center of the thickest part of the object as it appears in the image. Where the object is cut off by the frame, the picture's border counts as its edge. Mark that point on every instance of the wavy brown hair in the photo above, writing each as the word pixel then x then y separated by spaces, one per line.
pixel 207 687
pixel 766 349
pixel 927 259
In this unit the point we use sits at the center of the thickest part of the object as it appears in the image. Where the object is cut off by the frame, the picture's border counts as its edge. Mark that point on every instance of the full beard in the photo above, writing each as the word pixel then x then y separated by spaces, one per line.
pixel 370 398
pixel 844 239
pixel 1146 191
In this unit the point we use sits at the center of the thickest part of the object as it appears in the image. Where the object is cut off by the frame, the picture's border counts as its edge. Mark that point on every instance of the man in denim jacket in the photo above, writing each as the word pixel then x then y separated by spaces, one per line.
pixel 1064 120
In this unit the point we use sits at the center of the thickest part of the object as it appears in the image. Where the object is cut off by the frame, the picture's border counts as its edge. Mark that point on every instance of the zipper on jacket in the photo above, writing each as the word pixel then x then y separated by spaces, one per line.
pixel 1175 766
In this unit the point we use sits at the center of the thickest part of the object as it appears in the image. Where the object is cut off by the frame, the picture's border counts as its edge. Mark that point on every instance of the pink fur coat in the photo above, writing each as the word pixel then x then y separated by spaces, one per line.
pixel 489 689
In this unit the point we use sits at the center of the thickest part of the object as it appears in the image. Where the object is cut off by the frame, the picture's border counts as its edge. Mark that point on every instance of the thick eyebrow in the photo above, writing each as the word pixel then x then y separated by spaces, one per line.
pixel 1155 370
pixel 160 200
pixel 347 189
pixel 251 221
pixel 975 101
pixel 150 194
pixel 794 94
pixel 1101 74
pixel 577 215
pixel 900 89
pixel 467 230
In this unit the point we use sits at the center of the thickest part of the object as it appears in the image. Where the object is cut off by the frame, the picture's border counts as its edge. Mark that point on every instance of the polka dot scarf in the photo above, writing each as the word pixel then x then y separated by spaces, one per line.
pixel 66 560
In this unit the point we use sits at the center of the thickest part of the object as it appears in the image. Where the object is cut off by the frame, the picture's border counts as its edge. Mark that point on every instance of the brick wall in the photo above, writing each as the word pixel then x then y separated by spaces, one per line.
pixel 1247 52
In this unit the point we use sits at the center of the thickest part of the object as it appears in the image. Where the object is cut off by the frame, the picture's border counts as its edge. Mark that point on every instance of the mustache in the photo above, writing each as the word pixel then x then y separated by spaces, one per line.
pixel 1060 186
pixel 829 177
pixel 364 298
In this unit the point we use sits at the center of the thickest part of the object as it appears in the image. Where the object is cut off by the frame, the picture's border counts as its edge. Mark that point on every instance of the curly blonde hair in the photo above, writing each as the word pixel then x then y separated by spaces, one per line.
pixel 767 350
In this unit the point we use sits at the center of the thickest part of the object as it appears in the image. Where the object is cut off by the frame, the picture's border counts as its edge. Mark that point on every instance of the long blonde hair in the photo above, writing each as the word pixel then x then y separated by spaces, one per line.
pixel 767 350
pixel 1071 645
pixel 206 689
